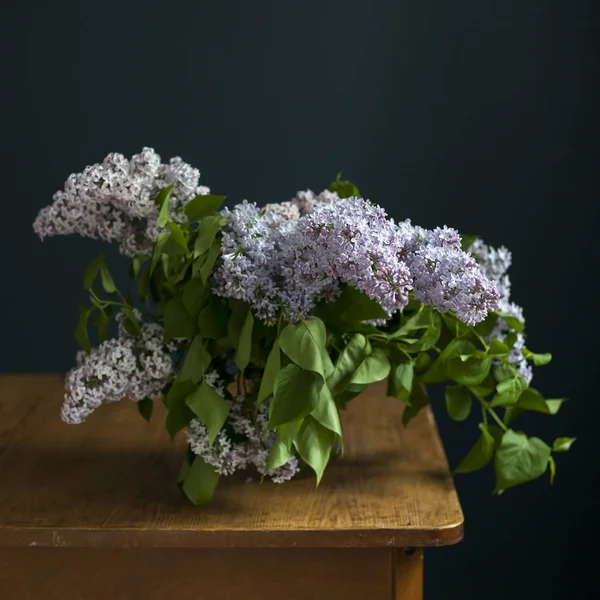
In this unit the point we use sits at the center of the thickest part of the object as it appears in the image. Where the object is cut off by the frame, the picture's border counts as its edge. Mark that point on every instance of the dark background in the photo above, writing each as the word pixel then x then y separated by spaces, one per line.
pixel 478 114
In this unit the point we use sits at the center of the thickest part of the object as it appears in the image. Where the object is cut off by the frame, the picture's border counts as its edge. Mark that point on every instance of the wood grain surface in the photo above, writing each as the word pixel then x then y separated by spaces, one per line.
pixel 110 482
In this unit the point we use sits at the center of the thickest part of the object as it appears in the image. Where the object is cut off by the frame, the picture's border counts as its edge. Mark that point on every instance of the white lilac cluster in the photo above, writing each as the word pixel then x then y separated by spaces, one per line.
pixel 135 367
pixel 297 253
pixel 115 200
pixel 227 456
pixel 495 262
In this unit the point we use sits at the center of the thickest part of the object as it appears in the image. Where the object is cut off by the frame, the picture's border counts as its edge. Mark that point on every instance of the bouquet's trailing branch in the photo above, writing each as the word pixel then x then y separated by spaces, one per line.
pixel 257 326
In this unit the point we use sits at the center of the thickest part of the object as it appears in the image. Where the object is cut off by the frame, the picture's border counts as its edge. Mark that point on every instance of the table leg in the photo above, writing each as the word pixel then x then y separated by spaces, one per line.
pixel 407 573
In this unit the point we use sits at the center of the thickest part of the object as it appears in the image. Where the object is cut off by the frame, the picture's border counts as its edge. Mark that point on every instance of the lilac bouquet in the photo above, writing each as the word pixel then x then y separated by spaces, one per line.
pixel 257 325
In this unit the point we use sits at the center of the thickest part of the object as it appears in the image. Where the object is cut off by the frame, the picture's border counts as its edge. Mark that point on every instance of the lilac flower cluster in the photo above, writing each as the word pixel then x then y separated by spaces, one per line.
pixel 115 200
pixel 287 255
pixel 227 456
pixel 495 264
pixel 135 367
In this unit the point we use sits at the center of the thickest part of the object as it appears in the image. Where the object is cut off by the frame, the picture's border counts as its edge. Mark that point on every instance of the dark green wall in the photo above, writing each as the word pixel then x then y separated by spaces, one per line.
pixel 479 114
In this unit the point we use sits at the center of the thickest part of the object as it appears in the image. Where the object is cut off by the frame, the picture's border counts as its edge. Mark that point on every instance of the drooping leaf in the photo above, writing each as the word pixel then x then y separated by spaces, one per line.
pixel 162 200
pixel 196 361
pixel 203 205
pixel 512 321
pixel 418 399
pixel 402 377
pixel 355 306
pixel 469 370
pixel 538 359
pixel 508 391
pixel 457 349
pixel 200 482
pixel 211 258
pixel 103 322
pixel 531 399
pixel 480 454
pixel 374 368
pixel 326 412
pixel 314 444
pixel 207 231
pixel 295 395
pixel 244 346
pixel 179 245
pixel 145 408
pixel 177 321
pixel 282 450
pixel 304 343
pixel 130 323
pixel 272 368
pixel 81 332
pixel 458 402
pixel 552 466
pixel 157 250
pixel 194 296
pixel 179 413
pixel 210 407
pixel 563 444
pixel 92 272
pixel 498 349
pixel 350 358
pixel 212 320
pixel 519 459
pixel 504 371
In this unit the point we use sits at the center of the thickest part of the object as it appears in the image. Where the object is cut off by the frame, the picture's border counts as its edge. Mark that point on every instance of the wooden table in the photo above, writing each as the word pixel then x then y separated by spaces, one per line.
pixel 92 511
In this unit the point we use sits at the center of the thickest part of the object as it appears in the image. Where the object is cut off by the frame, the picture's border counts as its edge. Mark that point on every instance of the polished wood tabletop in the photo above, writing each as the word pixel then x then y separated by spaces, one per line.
pixel 111 482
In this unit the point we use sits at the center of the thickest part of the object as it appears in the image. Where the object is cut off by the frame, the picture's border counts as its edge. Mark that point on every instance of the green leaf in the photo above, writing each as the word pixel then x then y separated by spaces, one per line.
pixel 418 400
pixel 326 412
pixel 420 320
pixel 484 388
pixel 350 358
pixel 467 241
pixel 504 371
pixel 136 265
pixel 508 391
pixel 145 408
pixel 402 378
pixel 162 200
pixel 552 466
pixel 344 189
pixel 203 205
pixel 177 321
pixel 157 250
pixel 244 346
pixel 178 239
pixel 511 321
pixel 210 407
pixel 355 306
pixel 458 402
pixel 103 322
pixel 519 459
pixel 92 272
pixel 538 359
pixel 143 283
pixel 200 482
pixel 457 349
pixel 272 368
pixel 563 444
pixel 314 444
pixel 207 231
pixel 194 296
pixel 469 370
pixel 107 281
pixel 211 258
pixel 295 395
pixel 304 343
pixel 282 451
pixel 212 320
pixel 374 368
pixel 81 332
pixel 498 349
pixel 131 323
pixel 196 361
pixel 531 399
pixel 179 413
pixel 480 454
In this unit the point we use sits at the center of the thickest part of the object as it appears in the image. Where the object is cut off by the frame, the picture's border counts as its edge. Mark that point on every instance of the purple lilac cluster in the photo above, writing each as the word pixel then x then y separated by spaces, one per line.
pixel 297 253
pixel 135 367
pixel 227 456
pixel 115 200
pixel 495 262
